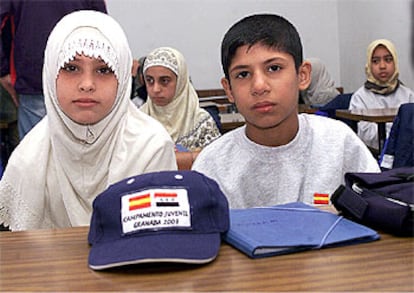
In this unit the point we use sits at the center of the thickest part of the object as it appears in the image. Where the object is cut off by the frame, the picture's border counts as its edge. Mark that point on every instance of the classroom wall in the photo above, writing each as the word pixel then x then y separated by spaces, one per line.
pixel 362 21
pixel 337 31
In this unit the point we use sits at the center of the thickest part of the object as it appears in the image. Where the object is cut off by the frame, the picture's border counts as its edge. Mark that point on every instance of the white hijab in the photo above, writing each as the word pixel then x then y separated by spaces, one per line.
pixel 322 87
pixel 183 114
pixel 60 166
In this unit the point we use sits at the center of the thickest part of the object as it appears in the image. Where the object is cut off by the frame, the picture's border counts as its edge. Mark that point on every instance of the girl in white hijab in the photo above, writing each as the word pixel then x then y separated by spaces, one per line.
pixel 382 89
pixel 174 102
pixel 92 135
pixel 322 88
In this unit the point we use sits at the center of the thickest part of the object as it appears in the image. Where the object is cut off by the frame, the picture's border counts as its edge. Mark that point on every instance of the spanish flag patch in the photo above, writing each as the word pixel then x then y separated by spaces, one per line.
pixel 320 198
pixel 139 202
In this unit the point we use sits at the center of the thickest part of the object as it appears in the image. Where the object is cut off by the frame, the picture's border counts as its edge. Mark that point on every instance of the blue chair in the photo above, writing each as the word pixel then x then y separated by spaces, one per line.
pixel 215 113
pixel 339 102
pixel 398 149
pixel 1 168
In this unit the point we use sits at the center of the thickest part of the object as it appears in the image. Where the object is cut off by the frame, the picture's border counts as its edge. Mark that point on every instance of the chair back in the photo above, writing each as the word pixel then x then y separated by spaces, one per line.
pixel 341 101
pixel 399 147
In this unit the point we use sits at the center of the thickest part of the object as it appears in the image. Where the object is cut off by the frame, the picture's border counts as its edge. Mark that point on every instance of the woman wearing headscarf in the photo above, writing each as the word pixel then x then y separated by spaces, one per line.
pixel 92 135
pixel 174 102
pixel 322 88
pixel 139 93
pixel 382 89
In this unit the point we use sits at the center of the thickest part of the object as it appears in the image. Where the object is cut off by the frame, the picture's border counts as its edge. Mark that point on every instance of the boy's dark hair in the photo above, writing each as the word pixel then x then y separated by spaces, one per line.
pixel 268 29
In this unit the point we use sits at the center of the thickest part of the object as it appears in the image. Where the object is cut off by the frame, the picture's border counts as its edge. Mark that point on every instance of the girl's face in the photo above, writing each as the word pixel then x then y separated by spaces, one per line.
pixel 86 89
pixel 382 64
pixel 161 83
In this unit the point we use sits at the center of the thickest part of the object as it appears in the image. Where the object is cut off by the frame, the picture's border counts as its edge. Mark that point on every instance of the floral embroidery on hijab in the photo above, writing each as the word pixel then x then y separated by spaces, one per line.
pixel 162 57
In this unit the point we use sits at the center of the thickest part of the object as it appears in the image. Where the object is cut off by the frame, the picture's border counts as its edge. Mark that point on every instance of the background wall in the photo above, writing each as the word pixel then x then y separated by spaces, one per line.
pixel 362 21
pixel 337 31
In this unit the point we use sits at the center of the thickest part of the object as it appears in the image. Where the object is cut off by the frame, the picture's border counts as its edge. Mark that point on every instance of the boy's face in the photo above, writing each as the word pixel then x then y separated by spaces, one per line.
pixel 264 85
pixel 382 64
pixel 86 89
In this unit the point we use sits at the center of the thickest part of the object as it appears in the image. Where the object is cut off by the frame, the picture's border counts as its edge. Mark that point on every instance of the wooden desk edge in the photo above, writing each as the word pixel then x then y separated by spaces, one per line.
pixel 371 115
pixel 231 271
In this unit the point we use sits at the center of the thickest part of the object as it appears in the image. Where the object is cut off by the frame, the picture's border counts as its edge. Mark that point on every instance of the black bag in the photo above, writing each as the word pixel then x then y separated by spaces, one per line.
pixel 383 201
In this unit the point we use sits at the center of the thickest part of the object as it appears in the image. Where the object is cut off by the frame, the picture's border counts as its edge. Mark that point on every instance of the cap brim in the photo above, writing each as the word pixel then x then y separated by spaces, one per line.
pixel 168 247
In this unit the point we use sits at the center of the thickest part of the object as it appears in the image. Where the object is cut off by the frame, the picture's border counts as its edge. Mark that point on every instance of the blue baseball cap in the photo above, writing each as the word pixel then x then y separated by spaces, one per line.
pixel 167 216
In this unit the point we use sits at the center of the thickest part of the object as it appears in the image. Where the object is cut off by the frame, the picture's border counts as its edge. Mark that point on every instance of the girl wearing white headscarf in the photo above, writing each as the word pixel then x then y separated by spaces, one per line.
pixel 322 88
pixel 187 123
pixel 59 168
pixel 382 88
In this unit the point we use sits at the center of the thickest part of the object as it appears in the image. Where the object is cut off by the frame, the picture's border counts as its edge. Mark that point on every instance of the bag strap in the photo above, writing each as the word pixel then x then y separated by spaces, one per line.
pixel 349 202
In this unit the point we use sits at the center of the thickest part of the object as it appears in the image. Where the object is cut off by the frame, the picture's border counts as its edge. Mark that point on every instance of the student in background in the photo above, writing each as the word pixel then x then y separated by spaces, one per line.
pixel 92 135
pixel 9 137
pixel 32 23
pixel 382 89
pixel 321 89
pixel 278 156
pixel 6 66
pixel 174 102
pixel 139 93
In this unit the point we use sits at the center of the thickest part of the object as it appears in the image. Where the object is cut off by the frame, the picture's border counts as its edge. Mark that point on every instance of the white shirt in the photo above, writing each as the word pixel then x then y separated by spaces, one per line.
pixel 315 161
pixel 365 99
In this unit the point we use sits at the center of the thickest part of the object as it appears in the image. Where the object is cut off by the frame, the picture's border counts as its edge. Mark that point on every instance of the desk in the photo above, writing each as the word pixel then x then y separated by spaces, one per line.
pixel 379 116
pixel 56 260
pixel 230 121
pixel 213 95
pixel 303 108
pixel 211 92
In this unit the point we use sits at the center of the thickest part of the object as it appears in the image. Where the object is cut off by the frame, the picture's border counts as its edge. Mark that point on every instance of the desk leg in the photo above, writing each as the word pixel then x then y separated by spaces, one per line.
pixel 381 136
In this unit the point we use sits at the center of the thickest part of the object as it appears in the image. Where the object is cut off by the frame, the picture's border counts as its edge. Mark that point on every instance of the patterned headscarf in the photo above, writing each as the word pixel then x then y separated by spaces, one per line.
pixel 374 85
pixel 166 57
pixel 183 114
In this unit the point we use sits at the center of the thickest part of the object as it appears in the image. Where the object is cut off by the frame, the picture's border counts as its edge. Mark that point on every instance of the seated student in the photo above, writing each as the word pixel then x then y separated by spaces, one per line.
pixel 321 89
pixel 382 89
pixel 139 93
pixel 9 137
pixel 174 102
pixel 92 135
pixel 278 156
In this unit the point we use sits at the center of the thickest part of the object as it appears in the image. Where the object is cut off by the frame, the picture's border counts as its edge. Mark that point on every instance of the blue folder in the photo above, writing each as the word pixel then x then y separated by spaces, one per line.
pixel 268 231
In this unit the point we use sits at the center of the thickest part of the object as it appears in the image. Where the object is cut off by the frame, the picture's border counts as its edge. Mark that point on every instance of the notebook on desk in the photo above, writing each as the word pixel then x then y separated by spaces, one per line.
pixel 293 227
